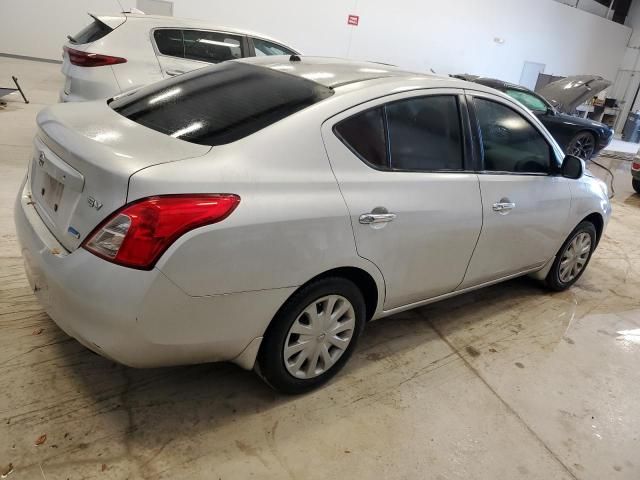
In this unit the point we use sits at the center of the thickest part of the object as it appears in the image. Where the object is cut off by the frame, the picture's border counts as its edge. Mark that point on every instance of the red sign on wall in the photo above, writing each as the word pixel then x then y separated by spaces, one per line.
pixel 353 20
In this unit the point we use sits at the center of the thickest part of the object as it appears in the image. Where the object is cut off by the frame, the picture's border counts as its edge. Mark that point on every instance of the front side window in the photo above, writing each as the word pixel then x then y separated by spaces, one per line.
pixel 424 134
pixel 532 102
pixel 510 143
pixel 169 42
pixel 264 48
pixel 212 47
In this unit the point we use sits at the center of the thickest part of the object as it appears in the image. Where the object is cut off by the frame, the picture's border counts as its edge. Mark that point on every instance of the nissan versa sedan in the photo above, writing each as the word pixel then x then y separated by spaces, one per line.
pixel 262 211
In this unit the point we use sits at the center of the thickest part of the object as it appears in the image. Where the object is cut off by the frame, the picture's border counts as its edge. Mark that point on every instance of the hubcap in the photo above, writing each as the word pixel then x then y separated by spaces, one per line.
pixel 319 336
pixel 574 257
pixel 582 146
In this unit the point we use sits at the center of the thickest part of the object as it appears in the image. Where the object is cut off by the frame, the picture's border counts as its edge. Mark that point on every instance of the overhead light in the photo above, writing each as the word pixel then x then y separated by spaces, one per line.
pixel 498 40
pixel 213 42
pixel 317 75
pixel 188 129
pixel 167 94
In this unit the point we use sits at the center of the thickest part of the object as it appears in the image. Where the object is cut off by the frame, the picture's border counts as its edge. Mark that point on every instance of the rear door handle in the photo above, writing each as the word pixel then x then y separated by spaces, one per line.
pixel 503 206
pixel 369 218
pixel 173 73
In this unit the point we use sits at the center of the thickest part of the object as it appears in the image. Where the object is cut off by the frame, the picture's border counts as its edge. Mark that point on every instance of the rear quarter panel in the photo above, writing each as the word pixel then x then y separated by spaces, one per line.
pixel 291 224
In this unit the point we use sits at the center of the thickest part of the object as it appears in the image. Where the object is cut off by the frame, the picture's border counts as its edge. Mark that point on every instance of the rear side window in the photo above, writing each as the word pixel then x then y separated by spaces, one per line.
pixel 416 134
pixel 220 104
pixel 263 48
pixel 212 47
pixel 92 32
pixel 364 134
pixel 424 134
pixel 169 42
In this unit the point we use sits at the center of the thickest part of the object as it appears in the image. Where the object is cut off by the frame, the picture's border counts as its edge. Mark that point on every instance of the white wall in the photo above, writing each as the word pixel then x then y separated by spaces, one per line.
pixel 38 28
pixel 447 36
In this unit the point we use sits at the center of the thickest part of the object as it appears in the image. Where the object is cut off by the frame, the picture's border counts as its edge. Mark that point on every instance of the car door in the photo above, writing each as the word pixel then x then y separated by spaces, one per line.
pixel 525 202
pixel 182 50
pixel 403 166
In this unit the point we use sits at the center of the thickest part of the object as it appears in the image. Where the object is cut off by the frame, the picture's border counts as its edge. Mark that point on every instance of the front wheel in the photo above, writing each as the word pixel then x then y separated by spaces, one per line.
pixel 573 257
pixel 582 146
pixel 636 184
pixel 312 336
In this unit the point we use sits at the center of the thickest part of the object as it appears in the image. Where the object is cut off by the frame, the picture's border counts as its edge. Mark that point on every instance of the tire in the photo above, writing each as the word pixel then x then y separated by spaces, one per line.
pixel 559 278
pixel 636 184
pixel 298 373
pixel 582 145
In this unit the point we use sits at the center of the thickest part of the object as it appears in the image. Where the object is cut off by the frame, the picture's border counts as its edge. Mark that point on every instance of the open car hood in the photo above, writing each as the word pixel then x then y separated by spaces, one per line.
pixel 568 93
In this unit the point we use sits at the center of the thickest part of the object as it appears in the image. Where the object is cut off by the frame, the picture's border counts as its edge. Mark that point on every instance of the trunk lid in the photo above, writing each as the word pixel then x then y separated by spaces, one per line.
pixel 570 92
pixel 84 155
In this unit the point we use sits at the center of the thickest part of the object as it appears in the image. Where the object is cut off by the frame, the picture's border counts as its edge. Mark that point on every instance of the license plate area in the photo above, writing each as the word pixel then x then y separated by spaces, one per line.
pixel 51 192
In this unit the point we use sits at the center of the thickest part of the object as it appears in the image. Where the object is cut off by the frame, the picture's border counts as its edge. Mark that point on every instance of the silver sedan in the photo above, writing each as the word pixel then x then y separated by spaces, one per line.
pixel 263 211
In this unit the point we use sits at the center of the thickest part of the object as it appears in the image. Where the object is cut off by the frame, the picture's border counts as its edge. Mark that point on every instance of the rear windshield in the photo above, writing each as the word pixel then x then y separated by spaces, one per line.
pixel 92 32
pixel 220 104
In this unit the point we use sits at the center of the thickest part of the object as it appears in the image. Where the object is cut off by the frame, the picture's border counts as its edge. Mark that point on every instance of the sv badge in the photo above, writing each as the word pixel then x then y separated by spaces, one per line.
pixel 93 203
pixel 41 159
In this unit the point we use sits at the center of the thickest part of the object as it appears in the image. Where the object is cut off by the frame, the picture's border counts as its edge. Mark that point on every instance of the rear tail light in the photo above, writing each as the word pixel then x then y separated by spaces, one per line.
pixel 635 165
pixel 139 233
pixel 86 59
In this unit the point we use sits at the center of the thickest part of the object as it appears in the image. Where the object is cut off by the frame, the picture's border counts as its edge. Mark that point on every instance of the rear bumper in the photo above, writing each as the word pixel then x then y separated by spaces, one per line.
pixel 138 318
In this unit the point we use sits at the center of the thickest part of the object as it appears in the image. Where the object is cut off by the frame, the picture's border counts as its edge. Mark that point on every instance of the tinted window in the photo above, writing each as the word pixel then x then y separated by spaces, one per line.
pixel 264 47
pixel 92 32
pixel 212 47
pixel 509 141
pixel 364 134
pixel 424 134
pixel 169 42
pixel 220 104
pixel 530 101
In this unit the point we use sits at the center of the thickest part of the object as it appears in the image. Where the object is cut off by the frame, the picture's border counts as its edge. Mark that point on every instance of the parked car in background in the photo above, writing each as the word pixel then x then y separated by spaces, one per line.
pixel 635 173
pixel 261 211
pixel 581 137
pixel 116 53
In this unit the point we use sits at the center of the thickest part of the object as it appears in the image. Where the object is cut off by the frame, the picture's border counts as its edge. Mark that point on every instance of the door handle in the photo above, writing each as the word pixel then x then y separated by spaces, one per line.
pixel 503 206
pixel 173 73
pixel 369 218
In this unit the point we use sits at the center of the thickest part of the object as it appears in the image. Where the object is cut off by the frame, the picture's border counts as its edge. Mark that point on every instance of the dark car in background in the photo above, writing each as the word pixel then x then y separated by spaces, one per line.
pixel 581 137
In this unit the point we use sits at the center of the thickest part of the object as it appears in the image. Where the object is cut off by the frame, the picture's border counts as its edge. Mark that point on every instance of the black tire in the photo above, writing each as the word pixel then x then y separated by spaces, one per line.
pixel 636 184
pixel 582 145
pixel 553 280
pixel 271 362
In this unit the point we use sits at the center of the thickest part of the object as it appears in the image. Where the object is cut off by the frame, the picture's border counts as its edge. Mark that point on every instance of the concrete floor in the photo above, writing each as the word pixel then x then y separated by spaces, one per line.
pixel 504 383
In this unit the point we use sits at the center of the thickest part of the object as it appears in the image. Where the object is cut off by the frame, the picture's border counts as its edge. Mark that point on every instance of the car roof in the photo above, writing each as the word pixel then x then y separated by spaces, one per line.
pixel 166 21
pixel 493 83
pixel 337 72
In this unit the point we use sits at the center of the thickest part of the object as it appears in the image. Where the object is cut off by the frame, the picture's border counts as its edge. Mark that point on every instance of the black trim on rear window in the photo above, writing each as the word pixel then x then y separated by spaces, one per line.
pixel 220 104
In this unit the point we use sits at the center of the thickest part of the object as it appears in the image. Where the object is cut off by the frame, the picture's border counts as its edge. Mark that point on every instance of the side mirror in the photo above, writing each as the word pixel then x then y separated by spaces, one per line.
pixel 572 167
pixel 551 112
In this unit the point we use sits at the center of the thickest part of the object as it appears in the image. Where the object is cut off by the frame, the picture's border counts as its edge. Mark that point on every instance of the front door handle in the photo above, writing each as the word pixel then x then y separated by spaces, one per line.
pixel 173 73
pixel 369 218
pixel 503 206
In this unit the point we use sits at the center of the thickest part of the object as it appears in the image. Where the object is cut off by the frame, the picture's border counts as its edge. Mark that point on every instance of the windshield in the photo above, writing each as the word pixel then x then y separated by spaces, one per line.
pixel 530 101
pixel 220 104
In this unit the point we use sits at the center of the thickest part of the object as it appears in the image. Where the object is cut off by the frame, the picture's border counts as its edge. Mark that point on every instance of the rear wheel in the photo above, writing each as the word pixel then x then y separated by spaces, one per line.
pixel 582 145
pixel 313 335
pixel 573 257
pixel 636 184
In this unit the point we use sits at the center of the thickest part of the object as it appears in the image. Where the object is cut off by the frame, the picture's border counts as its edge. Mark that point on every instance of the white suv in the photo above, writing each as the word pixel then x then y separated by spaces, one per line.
pixel 116 53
